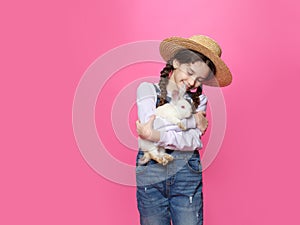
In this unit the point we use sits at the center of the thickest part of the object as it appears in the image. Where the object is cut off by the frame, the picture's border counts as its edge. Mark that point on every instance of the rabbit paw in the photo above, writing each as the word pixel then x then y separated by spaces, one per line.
pixel 144 159
pixel 159 159
pixel 163 159
pixel 167 158
pixel 181 126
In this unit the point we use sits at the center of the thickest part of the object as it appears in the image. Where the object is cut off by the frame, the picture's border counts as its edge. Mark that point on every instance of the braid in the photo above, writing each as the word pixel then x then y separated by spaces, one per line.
pixel 195 96
pixel 163 82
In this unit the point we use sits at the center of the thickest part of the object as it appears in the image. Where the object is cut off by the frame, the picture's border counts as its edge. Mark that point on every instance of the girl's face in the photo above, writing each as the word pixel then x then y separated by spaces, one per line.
pixel 190 74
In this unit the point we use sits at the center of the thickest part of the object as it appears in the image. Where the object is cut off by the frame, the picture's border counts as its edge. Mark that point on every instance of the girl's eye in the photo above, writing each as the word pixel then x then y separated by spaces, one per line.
pixel 198 80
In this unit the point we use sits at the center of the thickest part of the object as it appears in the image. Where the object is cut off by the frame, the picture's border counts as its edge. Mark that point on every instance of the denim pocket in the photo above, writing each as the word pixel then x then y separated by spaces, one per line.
pixel 194 164
pixel 140 169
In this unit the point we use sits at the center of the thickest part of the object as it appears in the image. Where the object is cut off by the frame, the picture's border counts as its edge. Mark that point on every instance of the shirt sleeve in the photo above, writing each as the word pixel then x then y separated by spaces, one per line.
pixel 188 140
pixel 146 101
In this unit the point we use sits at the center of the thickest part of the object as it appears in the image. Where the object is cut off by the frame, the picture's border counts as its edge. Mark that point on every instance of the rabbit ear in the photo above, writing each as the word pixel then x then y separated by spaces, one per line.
pixel 182 90
pixel 175 96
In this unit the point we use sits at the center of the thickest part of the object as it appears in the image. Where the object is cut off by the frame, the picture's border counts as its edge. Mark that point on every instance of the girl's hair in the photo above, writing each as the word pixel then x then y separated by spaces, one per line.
pixel 183 56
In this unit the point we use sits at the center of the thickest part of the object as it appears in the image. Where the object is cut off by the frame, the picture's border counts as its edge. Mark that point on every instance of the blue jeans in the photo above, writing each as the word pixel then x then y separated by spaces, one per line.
pixel 172 192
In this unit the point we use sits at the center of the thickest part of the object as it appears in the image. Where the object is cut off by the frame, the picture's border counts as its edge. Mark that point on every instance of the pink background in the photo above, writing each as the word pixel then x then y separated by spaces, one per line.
pixel 45 49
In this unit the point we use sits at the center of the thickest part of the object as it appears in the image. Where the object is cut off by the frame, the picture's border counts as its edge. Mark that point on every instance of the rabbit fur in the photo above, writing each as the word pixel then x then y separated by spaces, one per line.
pixel 178 108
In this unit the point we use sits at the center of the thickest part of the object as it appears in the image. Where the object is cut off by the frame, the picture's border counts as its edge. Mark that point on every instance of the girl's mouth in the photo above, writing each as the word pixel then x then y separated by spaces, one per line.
pixel 187 87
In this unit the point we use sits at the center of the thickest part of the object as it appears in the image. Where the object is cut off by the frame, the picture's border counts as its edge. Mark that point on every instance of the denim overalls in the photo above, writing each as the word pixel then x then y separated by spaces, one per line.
pixel 172 192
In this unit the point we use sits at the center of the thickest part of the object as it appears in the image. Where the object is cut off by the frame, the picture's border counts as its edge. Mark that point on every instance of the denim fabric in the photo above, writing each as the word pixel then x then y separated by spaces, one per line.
pixel 172 192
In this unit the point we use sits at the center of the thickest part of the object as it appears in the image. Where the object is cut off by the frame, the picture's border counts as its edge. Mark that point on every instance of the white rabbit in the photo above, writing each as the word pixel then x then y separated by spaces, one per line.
pixel 178 108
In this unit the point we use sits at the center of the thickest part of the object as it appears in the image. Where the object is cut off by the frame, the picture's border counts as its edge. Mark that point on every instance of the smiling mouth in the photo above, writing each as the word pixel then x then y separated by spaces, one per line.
pixel 188 87
pixel 191 88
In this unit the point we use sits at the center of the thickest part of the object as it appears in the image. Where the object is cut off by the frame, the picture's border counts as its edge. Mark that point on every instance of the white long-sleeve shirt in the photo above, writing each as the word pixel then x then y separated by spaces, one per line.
pixel 171 137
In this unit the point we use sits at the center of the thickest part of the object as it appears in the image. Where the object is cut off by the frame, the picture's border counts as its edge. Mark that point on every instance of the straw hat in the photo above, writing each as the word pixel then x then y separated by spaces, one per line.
pixel 205 45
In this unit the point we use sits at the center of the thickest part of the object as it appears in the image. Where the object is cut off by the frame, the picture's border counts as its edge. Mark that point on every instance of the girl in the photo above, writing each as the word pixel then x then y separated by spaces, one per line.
pixel 174 192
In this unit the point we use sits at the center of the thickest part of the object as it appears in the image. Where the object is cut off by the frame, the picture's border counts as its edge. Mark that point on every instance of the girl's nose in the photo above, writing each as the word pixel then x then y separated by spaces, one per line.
pixel 191 81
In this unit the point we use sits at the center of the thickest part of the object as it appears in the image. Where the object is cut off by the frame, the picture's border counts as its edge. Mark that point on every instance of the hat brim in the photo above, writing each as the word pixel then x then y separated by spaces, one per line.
pixel 170 46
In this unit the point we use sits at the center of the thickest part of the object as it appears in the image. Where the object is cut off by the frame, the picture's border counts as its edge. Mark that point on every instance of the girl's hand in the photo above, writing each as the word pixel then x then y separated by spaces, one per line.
pixel 146 131
pixel 201 121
